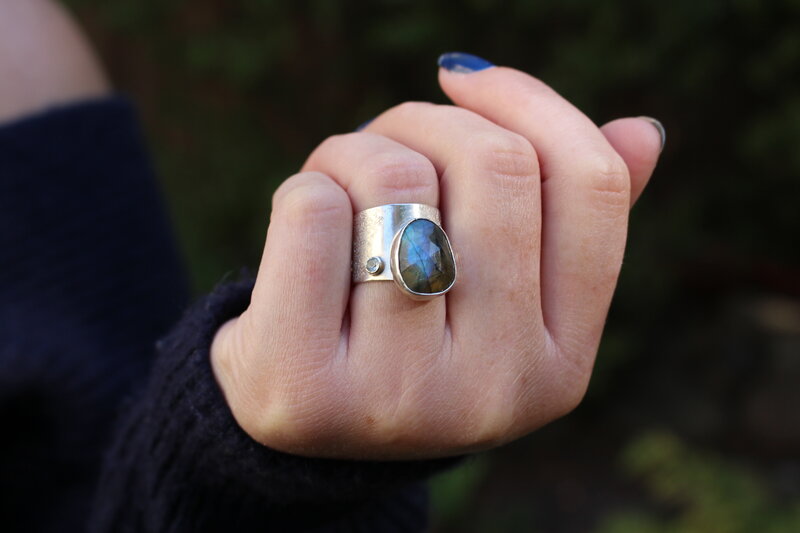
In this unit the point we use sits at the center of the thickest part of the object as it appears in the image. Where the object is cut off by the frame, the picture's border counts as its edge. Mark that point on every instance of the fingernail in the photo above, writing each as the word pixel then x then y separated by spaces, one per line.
pixel 660 127
pixel 364 124
pixel 463 63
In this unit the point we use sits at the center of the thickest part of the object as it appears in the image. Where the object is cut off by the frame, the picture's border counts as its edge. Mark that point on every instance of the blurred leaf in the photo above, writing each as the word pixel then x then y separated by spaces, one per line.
pixel 706 493
pixel 451 492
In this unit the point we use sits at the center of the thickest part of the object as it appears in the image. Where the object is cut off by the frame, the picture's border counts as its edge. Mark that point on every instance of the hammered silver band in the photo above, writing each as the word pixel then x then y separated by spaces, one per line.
pixel 378 253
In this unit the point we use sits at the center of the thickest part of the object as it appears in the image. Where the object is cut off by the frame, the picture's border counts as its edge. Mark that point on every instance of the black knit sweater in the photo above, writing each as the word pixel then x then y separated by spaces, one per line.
pixel 105 429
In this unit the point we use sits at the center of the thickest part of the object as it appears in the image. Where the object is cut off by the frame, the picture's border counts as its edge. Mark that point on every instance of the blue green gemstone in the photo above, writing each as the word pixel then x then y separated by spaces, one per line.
pixel 424 258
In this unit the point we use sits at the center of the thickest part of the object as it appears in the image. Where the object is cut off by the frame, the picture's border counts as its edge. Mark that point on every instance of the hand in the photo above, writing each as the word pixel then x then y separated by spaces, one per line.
pixel 535 199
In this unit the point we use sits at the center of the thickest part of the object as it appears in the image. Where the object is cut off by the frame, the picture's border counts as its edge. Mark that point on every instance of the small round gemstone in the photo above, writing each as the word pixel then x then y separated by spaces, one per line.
pixel 374 265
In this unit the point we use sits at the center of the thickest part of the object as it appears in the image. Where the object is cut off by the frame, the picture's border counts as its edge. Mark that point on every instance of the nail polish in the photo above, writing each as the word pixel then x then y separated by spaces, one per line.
pixel 462 63
pixel 660 127
pixel 364 124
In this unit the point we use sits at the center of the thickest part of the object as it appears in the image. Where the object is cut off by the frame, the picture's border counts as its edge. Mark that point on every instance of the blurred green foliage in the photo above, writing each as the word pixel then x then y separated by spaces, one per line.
pixel 451 491
pixel 703 337
pixel 701 493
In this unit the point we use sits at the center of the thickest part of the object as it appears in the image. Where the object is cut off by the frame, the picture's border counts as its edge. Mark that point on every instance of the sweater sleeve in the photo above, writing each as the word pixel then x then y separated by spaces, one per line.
pixel 89 279
pixel 181 463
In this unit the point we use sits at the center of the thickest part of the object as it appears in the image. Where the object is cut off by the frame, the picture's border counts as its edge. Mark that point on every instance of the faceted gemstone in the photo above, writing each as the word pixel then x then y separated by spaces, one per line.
pixel 424 258
pixel 374 265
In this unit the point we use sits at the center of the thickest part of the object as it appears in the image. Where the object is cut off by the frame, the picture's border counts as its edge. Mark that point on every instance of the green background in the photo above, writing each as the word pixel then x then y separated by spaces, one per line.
pixel 691 422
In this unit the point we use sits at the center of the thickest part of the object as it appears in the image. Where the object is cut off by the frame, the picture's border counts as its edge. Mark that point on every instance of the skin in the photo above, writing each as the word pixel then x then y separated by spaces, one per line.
pixel 45 60
pixel 535 199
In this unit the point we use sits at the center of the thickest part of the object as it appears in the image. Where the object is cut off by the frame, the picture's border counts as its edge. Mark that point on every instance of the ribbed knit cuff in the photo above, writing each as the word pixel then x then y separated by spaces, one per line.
pixel 182 462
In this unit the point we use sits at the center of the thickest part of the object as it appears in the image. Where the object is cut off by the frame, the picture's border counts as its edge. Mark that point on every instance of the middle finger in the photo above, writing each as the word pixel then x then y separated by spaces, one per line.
pixel 490 188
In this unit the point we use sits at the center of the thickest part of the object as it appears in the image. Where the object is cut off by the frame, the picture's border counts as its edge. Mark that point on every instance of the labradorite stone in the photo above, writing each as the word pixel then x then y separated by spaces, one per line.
pixel 424 258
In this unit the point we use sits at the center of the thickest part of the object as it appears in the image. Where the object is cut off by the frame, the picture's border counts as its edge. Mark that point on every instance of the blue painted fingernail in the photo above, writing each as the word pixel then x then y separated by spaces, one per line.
pixel 660 127
pixel 463 63
pixel 364 124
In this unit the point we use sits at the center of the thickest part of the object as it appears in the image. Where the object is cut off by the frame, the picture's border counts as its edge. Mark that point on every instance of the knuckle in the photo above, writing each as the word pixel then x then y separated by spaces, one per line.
pixel 411 108
pixel 280 427
pixel 488 423
pixel 608 180
pixel 508 157
pixel 490 428
pixel 331 144
pixel 409 172
pixel 478 417
pixel 291 423
pixel 311 199
pixel 567 388
pixel 547 387
pixel 570 398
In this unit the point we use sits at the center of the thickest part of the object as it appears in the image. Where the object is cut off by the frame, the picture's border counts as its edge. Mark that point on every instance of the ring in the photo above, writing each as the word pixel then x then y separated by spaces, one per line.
pixel 404 243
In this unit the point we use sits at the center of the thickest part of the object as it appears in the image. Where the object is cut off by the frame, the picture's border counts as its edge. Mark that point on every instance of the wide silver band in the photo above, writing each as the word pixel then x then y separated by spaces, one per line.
pixel 376 236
